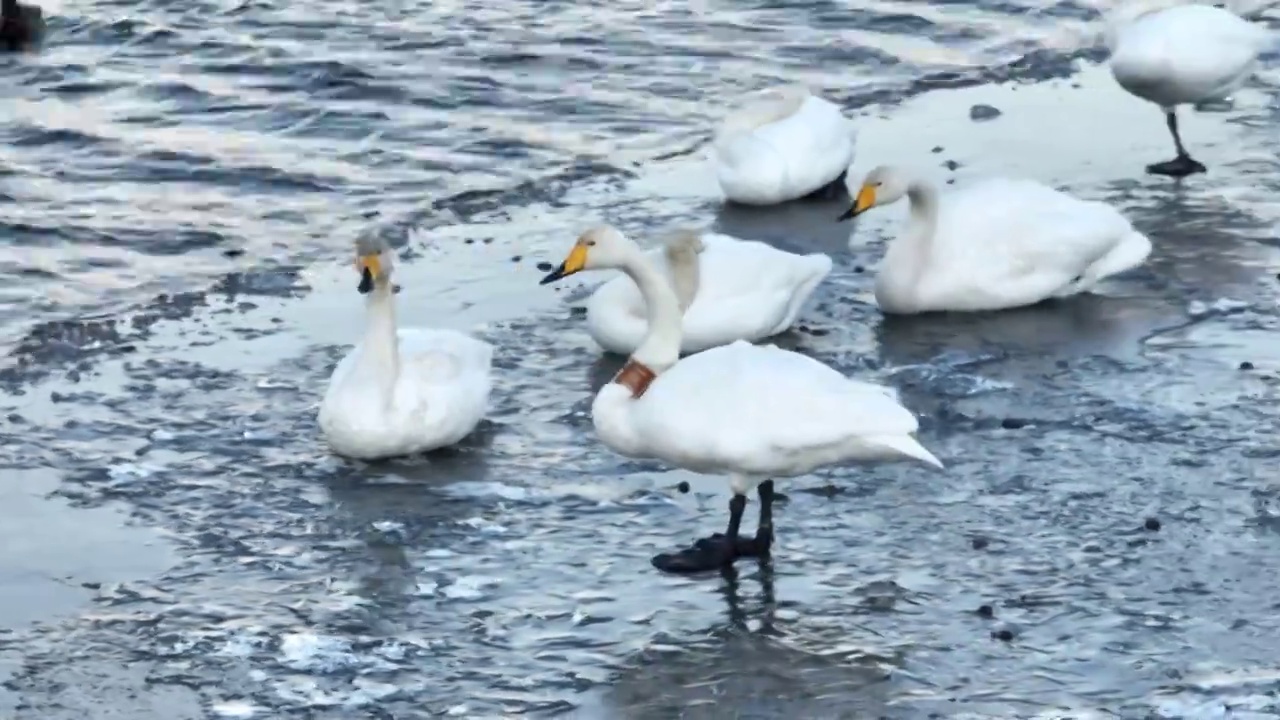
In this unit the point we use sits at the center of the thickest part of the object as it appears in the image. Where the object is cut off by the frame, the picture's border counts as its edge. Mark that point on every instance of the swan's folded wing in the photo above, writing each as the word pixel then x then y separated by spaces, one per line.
pixel 1022 237
pixel 740 400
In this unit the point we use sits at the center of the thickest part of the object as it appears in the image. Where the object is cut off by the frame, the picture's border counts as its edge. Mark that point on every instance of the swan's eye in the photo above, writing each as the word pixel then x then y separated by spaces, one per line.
pixel 591 243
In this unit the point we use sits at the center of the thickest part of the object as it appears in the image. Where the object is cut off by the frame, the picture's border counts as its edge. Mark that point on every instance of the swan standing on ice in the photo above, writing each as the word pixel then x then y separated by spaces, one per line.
pixel 405 391
pixel 730 290
pixel 994 244
pixel 782 145
pixel 1182 55
pixel 752 413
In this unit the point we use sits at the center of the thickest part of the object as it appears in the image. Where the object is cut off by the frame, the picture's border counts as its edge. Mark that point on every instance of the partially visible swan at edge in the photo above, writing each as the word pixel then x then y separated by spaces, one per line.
pixel 730 290
pixel 993 244
pixel 1181 55
pixel 783 144
pixel 402 391
pixel 751 412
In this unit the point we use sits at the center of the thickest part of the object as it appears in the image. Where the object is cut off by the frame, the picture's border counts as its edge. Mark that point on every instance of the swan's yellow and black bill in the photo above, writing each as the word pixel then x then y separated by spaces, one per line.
pixel 574 263
pixel 862 203
pixel 370 266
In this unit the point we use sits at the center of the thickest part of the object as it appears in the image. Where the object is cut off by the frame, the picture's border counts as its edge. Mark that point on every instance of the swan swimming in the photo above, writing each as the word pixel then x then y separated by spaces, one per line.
pixel 1182 55
pixel 781 145
pixel 751 412
pixel 729 289
pixel 993 244
pixel 402 391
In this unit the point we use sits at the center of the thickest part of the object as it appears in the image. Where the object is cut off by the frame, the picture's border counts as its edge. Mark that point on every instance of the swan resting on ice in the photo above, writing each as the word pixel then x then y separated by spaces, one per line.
pixel 783 144
pixel 1182 55
pixel 729 289
pixel 751 412
pixel 993 244
pixel 401 391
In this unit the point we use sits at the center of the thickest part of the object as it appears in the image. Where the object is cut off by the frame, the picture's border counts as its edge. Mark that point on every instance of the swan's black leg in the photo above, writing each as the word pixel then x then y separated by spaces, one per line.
pixel 1182 165
pixel 764 528
pixel 721 549
pixel 710 553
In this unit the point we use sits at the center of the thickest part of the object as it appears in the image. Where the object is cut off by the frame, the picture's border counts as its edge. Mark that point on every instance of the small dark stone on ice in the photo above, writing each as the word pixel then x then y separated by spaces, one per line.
pixel 980 112
pixel 951 165
pixel 937 149
pixel 951 181
pixel 819 332
pixel 91 585
pixel 516 258
pixel 1003 634
pixel 980 543
pixel 1246 365
pixel 986 611
pixel 1151 524
pixel 546 266
pixel 469 241
pixel 683 486
pixel 859 268
pixel 1013 423
pixel 488 240
pixel 233 253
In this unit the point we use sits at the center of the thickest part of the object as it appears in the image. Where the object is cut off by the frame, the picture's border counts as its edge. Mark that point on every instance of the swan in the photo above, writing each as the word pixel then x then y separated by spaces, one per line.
pixel 731 289
pixel 405 391
pixel 994 244
pixel 781 145
pixel 1181 55
pixel 751 412
pixel 21 26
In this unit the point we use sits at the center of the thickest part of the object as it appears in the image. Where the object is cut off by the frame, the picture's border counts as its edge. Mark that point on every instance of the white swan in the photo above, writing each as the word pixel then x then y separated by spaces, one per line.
pixel 994 244
pixel 751 412
pixel 781 145
pixel 1180 55
pixel 406 391
pixel 730 289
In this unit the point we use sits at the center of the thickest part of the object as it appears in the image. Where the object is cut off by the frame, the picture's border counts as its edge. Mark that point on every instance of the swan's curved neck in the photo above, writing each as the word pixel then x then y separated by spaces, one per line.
pixel 380 357
pixel 660 348
pixel 909 254
pixel 685 277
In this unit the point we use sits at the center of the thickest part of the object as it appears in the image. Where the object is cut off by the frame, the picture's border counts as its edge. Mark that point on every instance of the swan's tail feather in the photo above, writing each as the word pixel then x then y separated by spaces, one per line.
pixel 1129 254
pixel 910 447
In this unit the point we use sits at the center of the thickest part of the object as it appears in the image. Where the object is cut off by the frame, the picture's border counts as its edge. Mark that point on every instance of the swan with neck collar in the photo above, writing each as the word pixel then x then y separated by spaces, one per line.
pixel 1171 53
pixel 783 144
pixel 753 413
pixel 728 289
pixel 401 391
pixel 993 244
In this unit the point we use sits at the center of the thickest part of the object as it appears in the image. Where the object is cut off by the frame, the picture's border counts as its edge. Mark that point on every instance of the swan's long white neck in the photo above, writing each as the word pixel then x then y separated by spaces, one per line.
pixel 685 277
pixel 660 348
pixel 379 360
pixel 910 253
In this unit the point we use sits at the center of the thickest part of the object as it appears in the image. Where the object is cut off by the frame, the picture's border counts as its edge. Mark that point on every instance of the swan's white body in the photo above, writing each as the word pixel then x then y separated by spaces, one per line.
pixel 781 146
pixel 1184 54
pixel 404 392
pixel 1001 243
pixel 755 413
pixel 751 412
pixel 745 290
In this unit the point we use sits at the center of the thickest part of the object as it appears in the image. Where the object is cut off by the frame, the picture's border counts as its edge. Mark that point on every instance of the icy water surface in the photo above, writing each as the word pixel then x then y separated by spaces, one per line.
pixel 1099 545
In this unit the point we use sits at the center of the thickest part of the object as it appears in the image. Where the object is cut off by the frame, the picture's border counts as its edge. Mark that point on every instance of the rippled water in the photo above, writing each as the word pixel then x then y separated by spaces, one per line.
pixel 180 186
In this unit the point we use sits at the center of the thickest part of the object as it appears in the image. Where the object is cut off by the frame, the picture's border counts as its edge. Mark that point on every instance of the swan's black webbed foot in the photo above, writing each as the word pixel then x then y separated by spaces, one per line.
pixel 720 550
pixel 1178 167
pixel 711 553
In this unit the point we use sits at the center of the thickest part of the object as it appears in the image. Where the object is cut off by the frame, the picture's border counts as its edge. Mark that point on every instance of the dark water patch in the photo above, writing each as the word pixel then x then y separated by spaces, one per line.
pixel 73 347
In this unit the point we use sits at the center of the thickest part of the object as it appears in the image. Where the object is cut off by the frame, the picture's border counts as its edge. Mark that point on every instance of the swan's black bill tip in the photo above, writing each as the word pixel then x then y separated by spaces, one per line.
pixel 554 275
